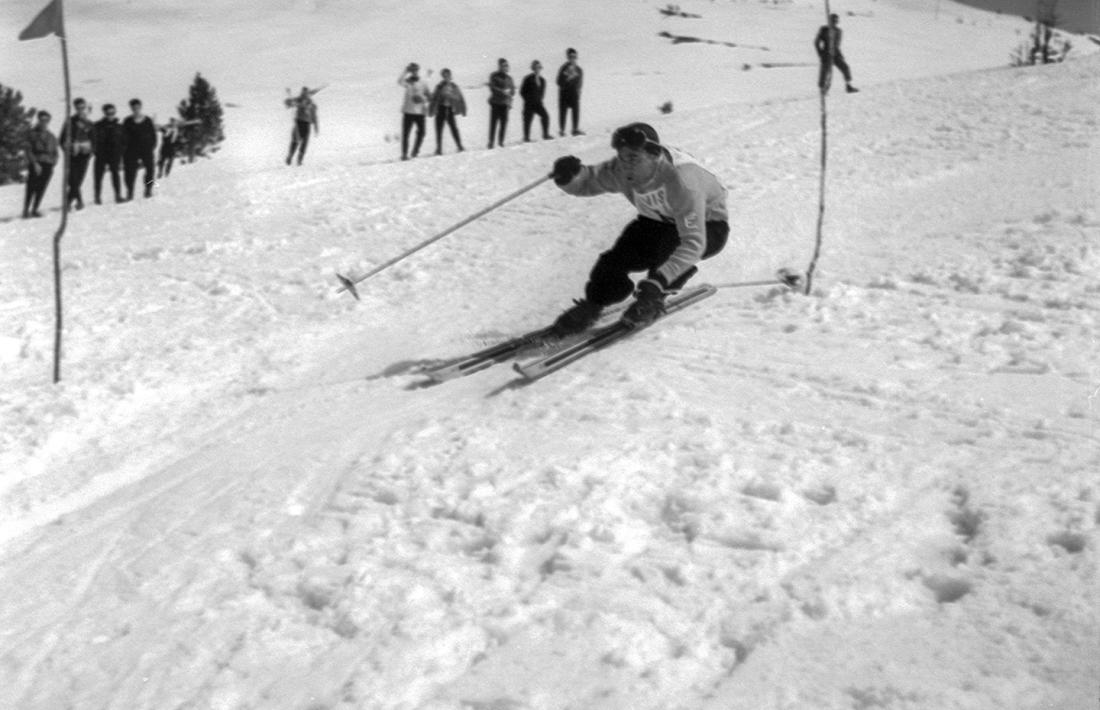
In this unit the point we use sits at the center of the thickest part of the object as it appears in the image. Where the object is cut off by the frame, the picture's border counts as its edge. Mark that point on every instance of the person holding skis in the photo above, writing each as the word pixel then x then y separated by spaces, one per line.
pixel 682 219
pixel 827 44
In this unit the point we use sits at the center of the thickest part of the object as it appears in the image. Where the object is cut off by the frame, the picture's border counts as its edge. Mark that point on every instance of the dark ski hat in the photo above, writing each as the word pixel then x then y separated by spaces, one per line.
pixel 637 136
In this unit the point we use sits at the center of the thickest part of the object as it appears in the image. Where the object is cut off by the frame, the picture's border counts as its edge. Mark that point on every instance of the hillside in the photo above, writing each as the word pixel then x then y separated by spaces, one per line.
pixel 879 495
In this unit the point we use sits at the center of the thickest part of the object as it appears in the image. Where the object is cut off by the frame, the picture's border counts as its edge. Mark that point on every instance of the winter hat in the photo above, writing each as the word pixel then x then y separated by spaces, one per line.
pixel 637 136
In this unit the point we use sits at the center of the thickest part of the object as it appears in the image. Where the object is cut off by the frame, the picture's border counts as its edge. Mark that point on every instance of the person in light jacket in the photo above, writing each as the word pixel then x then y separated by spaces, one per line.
pixel 447 102
pixel 414 108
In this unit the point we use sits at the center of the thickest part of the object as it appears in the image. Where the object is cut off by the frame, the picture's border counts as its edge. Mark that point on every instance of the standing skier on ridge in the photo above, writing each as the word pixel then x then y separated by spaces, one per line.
pixel 682 219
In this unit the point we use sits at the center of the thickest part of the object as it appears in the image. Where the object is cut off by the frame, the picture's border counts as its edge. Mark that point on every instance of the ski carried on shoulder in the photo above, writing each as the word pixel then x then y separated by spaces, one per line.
pixel 602 337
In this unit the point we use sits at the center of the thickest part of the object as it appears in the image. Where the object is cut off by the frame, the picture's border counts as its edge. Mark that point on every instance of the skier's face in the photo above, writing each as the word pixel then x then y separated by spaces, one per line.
pixel 640 164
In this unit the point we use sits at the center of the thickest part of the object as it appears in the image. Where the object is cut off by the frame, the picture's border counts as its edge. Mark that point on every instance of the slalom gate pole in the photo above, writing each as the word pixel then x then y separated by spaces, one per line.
pixel 348 284
pixel 825 83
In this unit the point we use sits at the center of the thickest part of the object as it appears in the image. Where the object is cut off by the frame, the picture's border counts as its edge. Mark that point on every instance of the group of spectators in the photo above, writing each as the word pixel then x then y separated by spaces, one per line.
pixel 446 102
pixel 113 145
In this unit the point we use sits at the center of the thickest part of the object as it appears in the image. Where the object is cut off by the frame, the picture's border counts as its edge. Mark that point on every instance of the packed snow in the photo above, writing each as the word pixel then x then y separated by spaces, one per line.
pixel 882 494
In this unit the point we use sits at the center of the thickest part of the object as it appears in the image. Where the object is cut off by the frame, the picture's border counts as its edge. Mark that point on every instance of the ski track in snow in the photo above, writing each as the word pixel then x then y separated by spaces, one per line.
pixel 720 513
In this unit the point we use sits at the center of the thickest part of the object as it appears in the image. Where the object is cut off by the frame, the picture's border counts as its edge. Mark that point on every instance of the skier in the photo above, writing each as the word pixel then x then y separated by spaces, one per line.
pixel 682 219
pixel 827 44
pixel 305 118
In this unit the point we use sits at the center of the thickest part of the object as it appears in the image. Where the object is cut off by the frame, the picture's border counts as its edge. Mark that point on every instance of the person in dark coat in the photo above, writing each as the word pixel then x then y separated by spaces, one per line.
pixel 305 120
pixel 76 138
pixel 532 91
pixel 41 151
pixel 446 103
pixel 107 148
pixel 140 143
pixel 570 81
pixel 827 44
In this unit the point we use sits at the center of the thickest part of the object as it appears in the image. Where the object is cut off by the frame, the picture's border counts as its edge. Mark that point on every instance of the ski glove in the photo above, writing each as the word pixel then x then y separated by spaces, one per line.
pixel 565 169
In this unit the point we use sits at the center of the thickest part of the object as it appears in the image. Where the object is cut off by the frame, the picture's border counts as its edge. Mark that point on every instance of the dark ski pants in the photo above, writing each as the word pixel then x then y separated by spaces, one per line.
pixel 102 166
pixel 568 101
pixel 299 139
pixel 445 115
pixel 644 245
pixel 408 122
pixel 37 182
pixel 130 164
pixel 842 65
pixel 529 113
pixel 498 123
pixel 78 168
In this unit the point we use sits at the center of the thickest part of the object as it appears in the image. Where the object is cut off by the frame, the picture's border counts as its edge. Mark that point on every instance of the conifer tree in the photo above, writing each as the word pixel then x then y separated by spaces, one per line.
pixel 15 121
pixel 204 137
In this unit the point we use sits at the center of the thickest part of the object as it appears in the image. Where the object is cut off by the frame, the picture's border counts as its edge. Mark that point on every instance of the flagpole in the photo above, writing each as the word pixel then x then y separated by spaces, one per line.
pixel 66 159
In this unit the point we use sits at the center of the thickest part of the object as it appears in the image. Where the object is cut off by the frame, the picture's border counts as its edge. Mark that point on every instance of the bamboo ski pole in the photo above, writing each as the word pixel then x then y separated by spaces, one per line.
pixel 348 284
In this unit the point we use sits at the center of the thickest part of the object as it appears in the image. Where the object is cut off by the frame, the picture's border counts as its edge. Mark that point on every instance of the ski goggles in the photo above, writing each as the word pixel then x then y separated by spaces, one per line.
pixel 631 137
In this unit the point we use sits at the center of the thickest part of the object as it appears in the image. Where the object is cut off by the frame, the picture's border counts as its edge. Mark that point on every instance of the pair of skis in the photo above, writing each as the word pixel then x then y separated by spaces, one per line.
pixel 539 367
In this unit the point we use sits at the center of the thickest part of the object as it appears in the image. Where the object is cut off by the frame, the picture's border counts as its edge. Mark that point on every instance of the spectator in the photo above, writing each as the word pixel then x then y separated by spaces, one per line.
pixel 827 44
pixel 139 140
pixel 532 91
pixel 76 138
pixel 570 80
pixel 41 151
pixel 447 102
pixel 107 147
pixel 501 91
pixel 305 119
pixel 413 109
pixel 171 136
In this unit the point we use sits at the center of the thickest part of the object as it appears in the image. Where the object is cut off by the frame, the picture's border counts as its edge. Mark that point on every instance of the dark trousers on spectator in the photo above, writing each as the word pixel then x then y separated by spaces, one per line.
pixel 130 164
pixel 78 168
pixel 103 165
pixel 37 182
pixel 529 113
pixel 299 139
pixel 569 101
pixel 498 123
pixel 408 122
pixel 445 115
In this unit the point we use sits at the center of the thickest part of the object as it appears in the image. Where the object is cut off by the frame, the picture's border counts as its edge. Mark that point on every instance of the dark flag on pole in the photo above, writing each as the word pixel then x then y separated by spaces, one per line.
pixel 49 22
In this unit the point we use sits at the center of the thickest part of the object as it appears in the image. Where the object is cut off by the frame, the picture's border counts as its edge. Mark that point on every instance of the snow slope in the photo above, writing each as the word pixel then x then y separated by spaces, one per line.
pixel 883 494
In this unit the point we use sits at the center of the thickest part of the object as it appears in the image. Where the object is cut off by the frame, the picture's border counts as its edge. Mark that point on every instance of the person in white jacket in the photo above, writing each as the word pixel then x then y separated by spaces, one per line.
pixel 414 108
pixel 682 219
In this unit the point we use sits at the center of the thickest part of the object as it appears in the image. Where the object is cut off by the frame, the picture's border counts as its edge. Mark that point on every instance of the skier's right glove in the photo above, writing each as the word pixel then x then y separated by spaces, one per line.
pixel 565 169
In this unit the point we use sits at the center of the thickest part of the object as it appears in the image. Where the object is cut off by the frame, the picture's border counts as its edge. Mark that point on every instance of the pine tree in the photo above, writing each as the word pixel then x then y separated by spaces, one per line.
pixel 15 121
pixel 202 106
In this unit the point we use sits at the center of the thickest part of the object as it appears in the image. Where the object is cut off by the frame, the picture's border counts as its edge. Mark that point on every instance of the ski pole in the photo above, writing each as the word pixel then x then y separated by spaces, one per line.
pixel 785 277
pixel 348 284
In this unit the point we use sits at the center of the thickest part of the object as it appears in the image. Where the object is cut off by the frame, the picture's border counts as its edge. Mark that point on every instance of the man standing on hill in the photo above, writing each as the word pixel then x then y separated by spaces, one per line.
pixel 827 45
pixel 41 150
pixel 532 91
pixel 139 136
pixel 682 219
pixel 570 80
pixel 107 146
pixel 305 118
pixel 414 108
pixel 501 91
pixel 76 139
